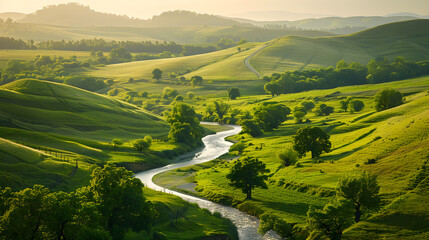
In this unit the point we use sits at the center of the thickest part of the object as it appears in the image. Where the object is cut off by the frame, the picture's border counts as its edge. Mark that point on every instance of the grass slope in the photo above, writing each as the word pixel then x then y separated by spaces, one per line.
pixel 408 39
pixel 398 139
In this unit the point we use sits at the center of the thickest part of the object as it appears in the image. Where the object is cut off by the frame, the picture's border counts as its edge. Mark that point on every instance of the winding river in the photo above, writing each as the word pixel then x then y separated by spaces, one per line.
pixel 215 145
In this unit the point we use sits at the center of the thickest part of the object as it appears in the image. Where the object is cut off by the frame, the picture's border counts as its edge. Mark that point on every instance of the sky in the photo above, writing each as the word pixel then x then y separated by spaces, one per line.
pixel 235 8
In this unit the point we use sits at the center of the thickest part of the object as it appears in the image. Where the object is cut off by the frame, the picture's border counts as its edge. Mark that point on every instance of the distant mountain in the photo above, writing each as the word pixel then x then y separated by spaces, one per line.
pixel 402 14
pixel 76 15
pixel 15 16
pixel 331 23
pixel 277 15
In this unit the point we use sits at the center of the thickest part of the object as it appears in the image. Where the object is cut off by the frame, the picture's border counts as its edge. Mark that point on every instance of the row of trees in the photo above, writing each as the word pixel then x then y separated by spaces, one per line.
pixel 378 70
pixel 106 46
pixel 110 206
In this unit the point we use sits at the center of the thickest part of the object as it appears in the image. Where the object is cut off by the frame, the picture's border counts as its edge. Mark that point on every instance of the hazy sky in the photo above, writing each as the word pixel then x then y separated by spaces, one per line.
pixel 148 8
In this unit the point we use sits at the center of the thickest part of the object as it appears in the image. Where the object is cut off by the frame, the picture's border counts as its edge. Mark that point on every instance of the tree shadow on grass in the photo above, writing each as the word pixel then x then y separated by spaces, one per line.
pixel 405 221
pixel 339 156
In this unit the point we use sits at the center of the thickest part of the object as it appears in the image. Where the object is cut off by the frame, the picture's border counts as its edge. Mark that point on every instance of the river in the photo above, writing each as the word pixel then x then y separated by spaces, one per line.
pixel 215 145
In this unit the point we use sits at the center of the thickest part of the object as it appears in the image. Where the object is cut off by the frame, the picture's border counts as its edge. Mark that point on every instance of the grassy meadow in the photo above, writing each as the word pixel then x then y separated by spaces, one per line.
pixel 395 138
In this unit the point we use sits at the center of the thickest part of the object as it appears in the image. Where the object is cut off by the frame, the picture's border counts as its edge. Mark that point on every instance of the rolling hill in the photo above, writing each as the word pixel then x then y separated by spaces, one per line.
pixel 408 39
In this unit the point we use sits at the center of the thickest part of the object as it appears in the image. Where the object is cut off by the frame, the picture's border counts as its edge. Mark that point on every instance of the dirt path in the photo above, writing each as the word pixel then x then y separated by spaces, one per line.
pixel 247 60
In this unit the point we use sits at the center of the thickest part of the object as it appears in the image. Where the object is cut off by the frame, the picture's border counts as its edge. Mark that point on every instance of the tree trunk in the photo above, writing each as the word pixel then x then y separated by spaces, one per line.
pixel 249 193
pixel 358 213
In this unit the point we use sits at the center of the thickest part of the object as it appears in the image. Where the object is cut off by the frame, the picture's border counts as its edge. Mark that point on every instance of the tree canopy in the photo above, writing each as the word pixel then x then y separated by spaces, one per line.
pixel 185 126
pixel 311 139
pixel 233 93
pixel 362 190
pixel 156 74
pixel 247 174
pixel 387 98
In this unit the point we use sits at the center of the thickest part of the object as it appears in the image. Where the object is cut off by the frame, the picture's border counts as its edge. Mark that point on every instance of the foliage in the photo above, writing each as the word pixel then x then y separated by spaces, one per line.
pixel 376 71
pixel 168 92
pixel 272 88
pixel 311 139
pixel 196 80
pixel 362 190
pixel 356 105
pixel 156 74
pixel 308 105
pixel 221 109
pixel 288 157
pixel 331 221
pixel 233 93
pixel 282 228
pixel 190 95
pixel 387 98
pixel 299 115
pixel 184 124
pixel 141 145
pixel 247 174
pixel 112 205
pixel 239 147
pixel 324 109
pixel 178 98
pixel 251 127
pixel 270 116
pixel 116 142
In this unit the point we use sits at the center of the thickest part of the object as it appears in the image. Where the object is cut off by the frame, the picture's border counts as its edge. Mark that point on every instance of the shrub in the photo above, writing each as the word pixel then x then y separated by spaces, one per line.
pixel 288 157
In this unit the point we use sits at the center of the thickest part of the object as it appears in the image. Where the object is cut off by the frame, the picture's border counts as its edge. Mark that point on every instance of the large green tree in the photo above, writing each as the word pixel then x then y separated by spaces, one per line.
pixel 119 197
pixel 221 109
pixel 248 173
pixel 387 98
pixel 362 189
pixel 331 221
pixel 271 116
pixel 185 126
pixel 311 139
pixel 196 80
pixel 273 88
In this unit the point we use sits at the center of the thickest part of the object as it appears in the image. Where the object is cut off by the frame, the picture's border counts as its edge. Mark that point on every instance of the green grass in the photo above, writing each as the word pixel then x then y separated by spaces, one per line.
pixel 408 39
pixel 192 222
pixel 27 55
pixel 397 138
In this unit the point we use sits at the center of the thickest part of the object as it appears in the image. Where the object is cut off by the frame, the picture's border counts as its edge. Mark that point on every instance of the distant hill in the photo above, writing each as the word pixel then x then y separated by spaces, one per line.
pixel 332 24
pixel 15 16
pixel 409 39
pixel 76 15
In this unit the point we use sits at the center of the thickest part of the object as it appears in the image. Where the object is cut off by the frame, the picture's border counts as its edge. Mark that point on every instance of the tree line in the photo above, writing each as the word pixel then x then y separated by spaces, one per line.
pixel 377 70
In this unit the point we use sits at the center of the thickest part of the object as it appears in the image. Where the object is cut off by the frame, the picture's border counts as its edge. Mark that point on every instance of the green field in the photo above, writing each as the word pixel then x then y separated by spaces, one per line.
pixel 397 138
pixel 408 39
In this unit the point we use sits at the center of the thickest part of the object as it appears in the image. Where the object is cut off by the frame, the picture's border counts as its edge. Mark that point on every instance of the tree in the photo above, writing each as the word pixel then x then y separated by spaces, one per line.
pixel 184 124
pixel 250 127
pixel 345 103
pixel 247 174
pixel 233 93
pixel 272 88
pixel 299 115
pixel 156 74
pixel 239 147
pixel 196 80
pixel 221 109
pixel 308 105
pixel 288 157
pixel 141 144
pixel 311 139
pixel 242 41
pixel 271 116
pixel 324 109
pixel 362 189
pixel 387 98
pixel 119 197
pixel 356 106
pixel 190 95
pixel 116 142
pixel 168 92
pixel 332 220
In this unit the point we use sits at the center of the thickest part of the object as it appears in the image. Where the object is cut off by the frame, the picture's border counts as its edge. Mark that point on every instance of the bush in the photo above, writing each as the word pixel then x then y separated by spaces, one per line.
pixel 356 106
pixel 288 157
pixel 387 98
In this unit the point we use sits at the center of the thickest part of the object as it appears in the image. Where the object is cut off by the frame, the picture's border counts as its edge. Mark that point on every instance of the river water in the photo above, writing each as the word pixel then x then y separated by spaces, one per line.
pixel 215 145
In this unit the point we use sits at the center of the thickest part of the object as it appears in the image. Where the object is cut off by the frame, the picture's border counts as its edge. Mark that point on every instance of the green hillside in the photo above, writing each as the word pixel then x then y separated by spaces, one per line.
pixel 59 109
pixel 408 39
pixel 396 138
